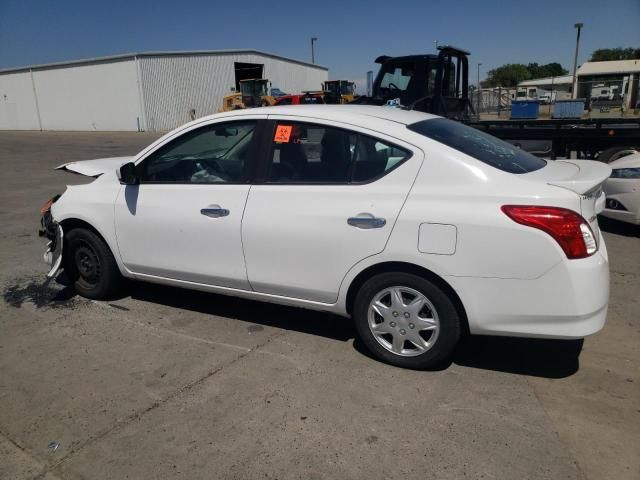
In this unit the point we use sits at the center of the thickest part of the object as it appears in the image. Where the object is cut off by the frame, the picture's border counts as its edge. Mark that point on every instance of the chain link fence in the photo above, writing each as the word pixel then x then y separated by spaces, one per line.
pixel 490 101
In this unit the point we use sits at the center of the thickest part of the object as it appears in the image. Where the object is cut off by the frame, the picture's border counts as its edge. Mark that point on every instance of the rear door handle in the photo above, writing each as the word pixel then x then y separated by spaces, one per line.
pixel 366 221
pixel 214 211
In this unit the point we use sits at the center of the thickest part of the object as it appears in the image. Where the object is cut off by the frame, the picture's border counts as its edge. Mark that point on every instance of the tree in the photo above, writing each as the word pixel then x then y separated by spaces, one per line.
pixel 508 75
pixel 549 70
pixel 511 74
pixel 606 54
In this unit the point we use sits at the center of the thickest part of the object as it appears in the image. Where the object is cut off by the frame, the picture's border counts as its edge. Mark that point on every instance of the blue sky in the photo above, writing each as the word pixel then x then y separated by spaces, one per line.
pixel 350 34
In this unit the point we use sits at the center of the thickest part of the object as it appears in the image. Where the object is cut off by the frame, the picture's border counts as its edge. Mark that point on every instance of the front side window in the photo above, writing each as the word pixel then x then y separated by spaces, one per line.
pixel 309 153
pixel 212 154
pixel 479 145
pixel 397 78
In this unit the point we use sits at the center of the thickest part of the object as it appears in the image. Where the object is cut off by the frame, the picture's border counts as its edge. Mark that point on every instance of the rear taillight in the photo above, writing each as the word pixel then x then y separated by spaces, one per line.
pixel 569 229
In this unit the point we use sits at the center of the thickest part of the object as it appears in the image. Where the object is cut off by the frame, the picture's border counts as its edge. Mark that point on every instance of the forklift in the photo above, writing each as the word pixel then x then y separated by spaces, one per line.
pixel 253 93
pixel 437 84
pixel 338 91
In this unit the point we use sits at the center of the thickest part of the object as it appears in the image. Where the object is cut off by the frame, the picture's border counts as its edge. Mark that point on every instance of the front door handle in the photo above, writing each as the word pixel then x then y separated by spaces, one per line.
pixel 366 221
pixel 214 211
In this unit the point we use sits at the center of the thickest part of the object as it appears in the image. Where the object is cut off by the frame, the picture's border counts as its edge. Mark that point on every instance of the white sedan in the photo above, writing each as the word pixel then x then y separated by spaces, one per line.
pixel 623 190
pixel 417 227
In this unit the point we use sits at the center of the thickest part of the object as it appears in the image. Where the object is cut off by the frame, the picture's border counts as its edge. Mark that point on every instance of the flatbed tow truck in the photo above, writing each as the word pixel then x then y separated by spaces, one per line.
pixel 439 84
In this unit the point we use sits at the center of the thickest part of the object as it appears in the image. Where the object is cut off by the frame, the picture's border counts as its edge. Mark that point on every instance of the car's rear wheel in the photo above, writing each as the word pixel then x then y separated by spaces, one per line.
pixel 406 320
pixel 90 265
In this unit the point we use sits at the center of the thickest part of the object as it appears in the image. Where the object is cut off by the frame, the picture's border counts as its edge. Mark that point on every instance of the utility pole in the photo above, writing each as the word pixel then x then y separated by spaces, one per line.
pixel 552 100
pixel 478 91
pixel 313 52
pixel 574 87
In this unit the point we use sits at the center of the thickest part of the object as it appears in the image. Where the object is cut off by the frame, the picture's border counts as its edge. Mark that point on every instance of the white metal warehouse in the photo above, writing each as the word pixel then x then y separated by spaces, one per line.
pixel 143 91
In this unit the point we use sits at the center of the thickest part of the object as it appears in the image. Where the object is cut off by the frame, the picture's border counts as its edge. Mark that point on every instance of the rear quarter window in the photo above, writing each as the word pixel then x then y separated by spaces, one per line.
pixel 479 145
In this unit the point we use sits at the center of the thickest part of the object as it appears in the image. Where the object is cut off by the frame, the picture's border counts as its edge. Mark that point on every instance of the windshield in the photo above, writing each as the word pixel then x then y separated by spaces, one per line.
pixel 396 78
pixel 261 89
pixel 331 87
pixel 347 88
pixel 254 88
pixel 479 145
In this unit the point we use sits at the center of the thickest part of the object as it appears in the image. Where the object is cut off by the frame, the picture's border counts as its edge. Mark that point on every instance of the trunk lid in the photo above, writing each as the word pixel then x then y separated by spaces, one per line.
pixel 583 177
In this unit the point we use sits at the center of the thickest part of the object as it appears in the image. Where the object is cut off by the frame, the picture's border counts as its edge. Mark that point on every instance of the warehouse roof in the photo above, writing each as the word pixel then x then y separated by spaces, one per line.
pixel 182 53
pixel 559 80
pixel 611 67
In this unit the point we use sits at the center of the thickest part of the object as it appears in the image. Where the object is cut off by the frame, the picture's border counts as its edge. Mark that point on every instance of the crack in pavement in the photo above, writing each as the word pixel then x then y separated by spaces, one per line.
pixel 118 425
pixel 22 449
pixel 186 335
pixel 13 442
pixel 624 274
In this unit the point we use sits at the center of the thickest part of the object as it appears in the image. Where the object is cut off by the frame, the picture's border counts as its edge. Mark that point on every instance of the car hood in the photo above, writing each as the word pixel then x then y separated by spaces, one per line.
pixel 95 168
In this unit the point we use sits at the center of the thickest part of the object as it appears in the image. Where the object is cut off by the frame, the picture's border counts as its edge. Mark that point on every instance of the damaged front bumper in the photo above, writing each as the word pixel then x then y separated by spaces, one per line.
pixel 53 231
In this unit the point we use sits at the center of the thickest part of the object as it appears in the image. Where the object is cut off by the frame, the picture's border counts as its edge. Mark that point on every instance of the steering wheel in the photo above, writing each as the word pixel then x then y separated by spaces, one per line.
pixel 394 86
pixel 212 166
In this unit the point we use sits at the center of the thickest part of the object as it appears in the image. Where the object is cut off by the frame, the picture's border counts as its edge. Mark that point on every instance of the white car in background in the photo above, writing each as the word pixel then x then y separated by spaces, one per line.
pixel 417 227
pixel 623 190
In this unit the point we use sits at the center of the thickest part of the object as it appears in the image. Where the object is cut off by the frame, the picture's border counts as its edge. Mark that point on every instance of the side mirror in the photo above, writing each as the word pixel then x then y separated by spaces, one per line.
pixel 128 174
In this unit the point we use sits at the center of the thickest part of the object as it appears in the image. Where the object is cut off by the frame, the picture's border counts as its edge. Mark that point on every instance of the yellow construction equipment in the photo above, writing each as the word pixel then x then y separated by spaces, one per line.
pixel 338 91
pixel 253 92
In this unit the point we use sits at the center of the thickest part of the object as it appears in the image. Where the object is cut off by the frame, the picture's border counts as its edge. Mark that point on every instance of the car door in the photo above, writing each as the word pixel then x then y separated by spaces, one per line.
pixel 182 221
pixel 329 198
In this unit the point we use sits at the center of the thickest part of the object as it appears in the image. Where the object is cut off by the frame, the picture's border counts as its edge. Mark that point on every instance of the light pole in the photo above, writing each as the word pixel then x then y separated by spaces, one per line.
pixel 575 60
pixel 313 53
pixel 478 91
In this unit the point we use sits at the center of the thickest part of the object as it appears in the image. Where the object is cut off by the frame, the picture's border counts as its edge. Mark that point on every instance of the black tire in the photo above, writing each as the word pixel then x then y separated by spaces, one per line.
pixel 449 318
pixel 614 153
pixel 90 265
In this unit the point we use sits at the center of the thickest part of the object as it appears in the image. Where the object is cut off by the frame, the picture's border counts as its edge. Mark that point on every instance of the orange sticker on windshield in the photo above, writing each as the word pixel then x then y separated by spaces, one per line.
pixel 283 133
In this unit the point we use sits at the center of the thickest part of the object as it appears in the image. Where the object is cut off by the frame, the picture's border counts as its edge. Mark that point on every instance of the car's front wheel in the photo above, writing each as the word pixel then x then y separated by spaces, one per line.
pixel 406 320
pixel 90 265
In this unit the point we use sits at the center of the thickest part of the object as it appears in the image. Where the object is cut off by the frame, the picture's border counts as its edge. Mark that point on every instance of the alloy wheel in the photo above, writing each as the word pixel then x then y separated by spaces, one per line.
pixel 403 321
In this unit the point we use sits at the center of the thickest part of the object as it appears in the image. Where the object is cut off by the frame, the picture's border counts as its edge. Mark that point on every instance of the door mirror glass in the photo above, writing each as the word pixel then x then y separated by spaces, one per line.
pixel 128 175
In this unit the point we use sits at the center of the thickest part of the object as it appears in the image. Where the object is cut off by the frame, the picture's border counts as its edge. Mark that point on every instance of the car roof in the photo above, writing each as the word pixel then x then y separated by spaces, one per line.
pixel 348 113
pixel 630 161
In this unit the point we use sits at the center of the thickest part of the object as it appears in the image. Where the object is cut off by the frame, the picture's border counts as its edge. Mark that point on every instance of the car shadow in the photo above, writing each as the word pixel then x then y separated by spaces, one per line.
pixel 267 314
pixel 521 356
pixel 533 357
pixel 610 225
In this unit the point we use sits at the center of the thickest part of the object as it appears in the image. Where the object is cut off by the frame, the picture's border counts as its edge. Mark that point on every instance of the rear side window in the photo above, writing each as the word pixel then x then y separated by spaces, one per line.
pixel 310 153
pixel 479 145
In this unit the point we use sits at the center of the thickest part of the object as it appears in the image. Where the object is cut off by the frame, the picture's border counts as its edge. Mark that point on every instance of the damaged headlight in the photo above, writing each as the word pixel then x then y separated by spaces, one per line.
pixel 47 226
